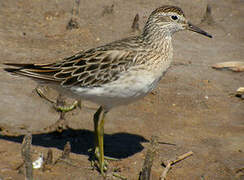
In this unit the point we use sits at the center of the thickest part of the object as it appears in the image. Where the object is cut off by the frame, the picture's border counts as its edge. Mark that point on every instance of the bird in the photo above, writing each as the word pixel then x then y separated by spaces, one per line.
pixel 116 73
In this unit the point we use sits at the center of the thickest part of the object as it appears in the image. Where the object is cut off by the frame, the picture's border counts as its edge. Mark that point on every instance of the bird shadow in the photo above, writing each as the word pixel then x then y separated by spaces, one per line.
pixel 118 145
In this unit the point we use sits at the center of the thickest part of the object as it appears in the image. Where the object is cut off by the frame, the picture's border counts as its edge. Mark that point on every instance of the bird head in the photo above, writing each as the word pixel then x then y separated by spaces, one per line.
pixel 171 19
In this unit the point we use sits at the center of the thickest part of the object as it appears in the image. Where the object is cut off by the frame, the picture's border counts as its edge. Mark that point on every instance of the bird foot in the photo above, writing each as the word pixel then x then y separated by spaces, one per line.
pixel 96 162
pixel 57 106
pixel 66 108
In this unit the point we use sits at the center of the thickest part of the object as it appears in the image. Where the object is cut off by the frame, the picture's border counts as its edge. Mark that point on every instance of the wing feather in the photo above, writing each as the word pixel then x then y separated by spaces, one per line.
pixel 90 68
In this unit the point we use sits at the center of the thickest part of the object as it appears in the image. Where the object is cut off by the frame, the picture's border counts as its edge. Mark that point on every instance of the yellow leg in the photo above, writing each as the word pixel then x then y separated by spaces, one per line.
pixel 99 117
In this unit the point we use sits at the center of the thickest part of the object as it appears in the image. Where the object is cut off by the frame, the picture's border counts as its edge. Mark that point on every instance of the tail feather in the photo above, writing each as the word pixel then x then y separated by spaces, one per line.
pixel 11 70
pixel 29 66
pixel 37 71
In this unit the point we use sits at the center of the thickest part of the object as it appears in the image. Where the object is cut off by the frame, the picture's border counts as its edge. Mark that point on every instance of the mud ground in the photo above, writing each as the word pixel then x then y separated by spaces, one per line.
pixel 194 106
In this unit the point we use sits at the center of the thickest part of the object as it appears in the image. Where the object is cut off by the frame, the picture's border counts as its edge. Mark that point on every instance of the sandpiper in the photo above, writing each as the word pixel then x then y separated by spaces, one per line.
pixel 116 73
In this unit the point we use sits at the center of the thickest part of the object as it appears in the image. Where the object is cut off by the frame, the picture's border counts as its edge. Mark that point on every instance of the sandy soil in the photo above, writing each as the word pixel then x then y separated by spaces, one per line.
pixel 193 106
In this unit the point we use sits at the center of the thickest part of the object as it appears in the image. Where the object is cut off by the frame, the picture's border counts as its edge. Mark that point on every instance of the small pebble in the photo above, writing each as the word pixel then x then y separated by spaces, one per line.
pixel 37 164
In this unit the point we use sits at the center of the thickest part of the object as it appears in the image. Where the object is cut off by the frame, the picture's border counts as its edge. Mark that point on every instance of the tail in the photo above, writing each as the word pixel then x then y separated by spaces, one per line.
pixel 36 71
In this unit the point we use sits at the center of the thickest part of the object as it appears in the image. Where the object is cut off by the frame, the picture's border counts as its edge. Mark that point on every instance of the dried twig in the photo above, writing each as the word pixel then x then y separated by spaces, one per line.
pixel 65 157
pixel 172 162
pixel 119 176
pixel 48 160
pixel 73 24
pixel 237 66
pixel 67 150
pixel 135 24
pixel 108 10
pixel 26 155
pixel 239 173
pixel 146 169
pixel 208 16
pixel 75 10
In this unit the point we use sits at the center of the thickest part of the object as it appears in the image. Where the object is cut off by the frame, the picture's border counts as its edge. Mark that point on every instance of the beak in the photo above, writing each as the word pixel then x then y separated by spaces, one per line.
pixel 194 28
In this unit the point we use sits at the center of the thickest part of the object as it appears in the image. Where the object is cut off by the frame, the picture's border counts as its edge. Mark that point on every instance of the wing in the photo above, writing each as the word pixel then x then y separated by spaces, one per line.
pixel 94 67
pixel 91 68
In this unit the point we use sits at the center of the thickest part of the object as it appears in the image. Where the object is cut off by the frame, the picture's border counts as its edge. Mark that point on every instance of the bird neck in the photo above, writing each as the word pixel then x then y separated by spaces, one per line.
pixel 159 44
pixel 159 39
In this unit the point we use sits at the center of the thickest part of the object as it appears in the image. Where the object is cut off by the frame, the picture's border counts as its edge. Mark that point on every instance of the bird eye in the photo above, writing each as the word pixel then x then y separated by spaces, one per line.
pixel 174 17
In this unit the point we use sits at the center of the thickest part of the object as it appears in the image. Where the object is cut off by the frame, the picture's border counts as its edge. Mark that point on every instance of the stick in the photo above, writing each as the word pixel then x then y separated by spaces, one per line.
pixel 73 24
pixel 208 16
pixel 67 150
pixel 119 176
pixel 172 162
pixel 135 24
pixel 48 161
pixel 146 169
pixel 26 155
pixel 108 10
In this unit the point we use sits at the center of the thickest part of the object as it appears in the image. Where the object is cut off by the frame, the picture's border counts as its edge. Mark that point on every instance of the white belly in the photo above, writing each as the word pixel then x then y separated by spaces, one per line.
pixel 129 87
